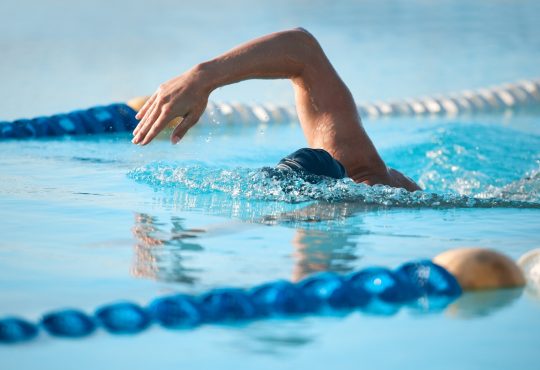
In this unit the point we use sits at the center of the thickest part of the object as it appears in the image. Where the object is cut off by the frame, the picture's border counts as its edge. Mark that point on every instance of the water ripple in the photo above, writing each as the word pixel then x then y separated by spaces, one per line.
pixel 270 185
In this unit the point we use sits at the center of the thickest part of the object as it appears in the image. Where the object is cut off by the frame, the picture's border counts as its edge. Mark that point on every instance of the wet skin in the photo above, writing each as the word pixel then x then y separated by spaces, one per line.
pixel 324 104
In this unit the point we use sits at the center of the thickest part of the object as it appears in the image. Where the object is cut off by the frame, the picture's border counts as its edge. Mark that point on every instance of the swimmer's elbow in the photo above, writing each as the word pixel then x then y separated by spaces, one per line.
pixel 304 37
pixel 303 32
pixel 307 48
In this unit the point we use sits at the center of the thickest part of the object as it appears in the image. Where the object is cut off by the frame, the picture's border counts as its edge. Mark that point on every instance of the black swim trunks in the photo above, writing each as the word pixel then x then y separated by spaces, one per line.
pixel 313 161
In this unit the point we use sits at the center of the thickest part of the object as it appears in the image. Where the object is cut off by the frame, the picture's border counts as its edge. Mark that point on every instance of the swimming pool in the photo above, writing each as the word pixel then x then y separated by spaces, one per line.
pixel 105 220
pixel 89 220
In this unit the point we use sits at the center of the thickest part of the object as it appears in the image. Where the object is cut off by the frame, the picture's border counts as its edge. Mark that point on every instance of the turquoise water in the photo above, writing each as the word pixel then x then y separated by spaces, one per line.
pixel 90 220
pixel 97 219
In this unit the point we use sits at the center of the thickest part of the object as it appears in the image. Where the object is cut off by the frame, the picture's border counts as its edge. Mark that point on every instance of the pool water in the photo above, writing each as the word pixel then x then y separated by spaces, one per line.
pixel 95 219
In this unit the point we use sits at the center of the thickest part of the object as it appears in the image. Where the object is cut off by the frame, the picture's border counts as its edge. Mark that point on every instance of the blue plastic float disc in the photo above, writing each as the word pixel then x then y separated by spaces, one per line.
pixel 331 289
pixel 76 121
pixel 54 128
pixel 128 115
pixel 123 318
pixel 68 323
pixel 429 279
pixel 279 298
pixel 6 130
pixel 381 283
pixel 15 330
pixel 23 128
pixel 227 304
pixel 176 312
pixel 41 126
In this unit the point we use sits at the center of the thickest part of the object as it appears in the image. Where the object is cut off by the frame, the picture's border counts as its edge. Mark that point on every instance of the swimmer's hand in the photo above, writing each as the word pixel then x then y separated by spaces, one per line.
pixel 278 55
pixel 183 96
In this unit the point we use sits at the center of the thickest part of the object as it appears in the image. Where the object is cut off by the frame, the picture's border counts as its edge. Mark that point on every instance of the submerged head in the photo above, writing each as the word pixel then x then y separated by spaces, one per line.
pixel 313 161
pixel 479 268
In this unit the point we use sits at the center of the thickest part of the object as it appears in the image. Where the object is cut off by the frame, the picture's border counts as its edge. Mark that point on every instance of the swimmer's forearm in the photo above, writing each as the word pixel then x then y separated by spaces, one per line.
pixel 289 54
pixel 325 106
pixel 278 55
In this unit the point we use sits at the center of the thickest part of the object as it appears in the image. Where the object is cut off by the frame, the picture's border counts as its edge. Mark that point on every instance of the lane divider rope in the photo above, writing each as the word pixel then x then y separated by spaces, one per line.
pixel 121 118
pixel 97 120
pixel 519 95
pixel 420 284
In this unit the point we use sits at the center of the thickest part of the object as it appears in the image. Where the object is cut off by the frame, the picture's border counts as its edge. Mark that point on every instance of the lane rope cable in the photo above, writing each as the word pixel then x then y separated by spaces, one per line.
pixel 420 284
pixel 120 117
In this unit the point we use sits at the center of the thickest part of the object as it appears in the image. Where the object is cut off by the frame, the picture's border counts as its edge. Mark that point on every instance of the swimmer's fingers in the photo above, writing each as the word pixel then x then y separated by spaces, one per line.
pixel 188 122
pixel 156 127
pixel 144 121
pixel 140 114
pixel 147 123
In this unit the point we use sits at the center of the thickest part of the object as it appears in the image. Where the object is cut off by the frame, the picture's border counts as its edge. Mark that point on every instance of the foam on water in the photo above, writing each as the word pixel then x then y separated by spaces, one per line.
pixel 259 184
pixel 526 189
pixel 459 165
pixel 470 159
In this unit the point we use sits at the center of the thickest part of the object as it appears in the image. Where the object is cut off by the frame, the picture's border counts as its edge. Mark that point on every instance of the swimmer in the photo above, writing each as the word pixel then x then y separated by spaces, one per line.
pixel 338 144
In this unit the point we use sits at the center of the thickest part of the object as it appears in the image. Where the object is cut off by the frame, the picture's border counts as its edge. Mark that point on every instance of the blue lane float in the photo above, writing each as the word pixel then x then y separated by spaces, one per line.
pixel 68 323
pixel 375 289
pixel 15 330
pixel 123 318
pixel 112 118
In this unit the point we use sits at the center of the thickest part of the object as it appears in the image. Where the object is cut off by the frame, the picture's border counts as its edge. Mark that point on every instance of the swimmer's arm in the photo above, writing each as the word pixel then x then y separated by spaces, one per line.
pixel 322 98
pixel 325 106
